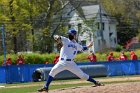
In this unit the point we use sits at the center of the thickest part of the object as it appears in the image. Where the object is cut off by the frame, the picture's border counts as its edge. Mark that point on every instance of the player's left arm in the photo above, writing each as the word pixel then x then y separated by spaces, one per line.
pixel 88 46
pixel 82 48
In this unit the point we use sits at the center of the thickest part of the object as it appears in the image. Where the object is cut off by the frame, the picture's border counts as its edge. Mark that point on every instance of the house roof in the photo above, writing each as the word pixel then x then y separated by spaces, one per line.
pixel 90 11
pixel 78 4
pixel 83 2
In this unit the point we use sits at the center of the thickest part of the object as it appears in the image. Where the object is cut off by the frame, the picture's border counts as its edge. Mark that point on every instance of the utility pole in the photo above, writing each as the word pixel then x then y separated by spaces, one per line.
pixel 101 22
pixel 31 22
pixel 13 20
pixel 3 43
pixel 79 30
pixel 101 26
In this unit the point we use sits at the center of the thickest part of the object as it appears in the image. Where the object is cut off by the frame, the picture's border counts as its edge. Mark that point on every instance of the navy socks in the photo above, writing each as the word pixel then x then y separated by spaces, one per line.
pixel 49 80
pixel 91 80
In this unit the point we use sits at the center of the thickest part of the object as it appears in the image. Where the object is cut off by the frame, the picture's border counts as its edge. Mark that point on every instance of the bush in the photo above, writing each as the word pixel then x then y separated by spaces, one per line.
pixel 119 48
pixel 31 58
pixel 81 57
pixel 36 58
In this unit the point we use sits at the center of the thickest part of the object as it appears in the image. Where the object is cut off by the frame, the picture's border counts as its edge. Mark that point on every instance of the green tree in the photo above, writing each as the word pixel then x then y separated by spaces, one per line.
pixel 122 10
pixel 47 10
pixel 14 15
pixel 20 18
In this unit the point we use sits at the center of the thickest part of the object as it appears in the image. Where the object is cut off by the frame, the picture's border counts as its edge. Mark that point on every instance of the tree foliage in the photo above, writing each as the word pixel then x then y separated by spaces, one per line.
pixel 127 14
pixel 28 23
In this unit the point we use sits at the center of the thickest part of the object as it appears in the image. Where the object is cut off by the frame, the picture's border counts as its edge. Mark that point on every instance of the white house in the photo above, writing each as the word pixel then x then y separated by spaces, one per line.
pixel 88 21
pixel 103 28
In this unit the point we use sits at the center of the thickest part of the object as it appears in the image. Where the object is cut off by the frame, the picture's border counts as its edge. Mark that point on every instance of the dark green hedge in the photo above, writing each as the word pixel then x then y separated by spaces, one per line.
pixel 32 58
pixel 36 58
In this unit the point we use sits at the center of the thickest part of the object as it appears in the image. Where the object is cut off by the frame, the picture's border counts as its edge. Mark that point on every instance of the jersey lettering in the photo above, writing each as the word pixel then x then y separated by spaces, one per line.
pixel 74 53
pixel 72 45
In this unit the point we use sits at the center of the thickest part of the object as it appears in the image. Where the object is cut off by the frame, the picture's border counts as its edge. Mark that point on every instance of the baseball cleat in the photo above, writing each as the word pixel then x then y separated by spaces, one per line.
pixel 99 84
pixel 44 89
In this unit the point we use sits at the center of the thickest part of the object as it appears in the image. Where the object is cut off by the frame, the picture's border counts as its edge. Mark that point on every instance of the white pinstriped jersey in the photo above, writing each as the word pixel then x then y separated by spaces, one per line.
pixel 67 54
pixel 69 49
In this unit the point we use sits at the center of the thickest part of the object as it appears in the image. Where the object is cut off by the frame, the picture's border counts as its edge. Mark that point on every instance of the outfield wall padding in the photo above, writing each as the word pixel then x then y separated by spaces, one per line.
pixel 91 70
pixel 23 73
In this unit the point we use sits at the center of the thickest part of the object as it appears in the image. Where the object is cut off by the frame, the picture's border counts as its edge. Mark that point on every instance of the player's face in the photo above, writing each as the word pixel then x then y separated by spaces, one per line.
pixel 75 36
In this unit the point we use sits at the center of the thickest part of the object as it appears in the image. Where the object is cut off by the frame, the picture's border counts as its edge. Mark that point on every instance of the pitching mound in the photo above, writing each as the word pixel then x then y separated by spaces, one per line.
pixel 109 88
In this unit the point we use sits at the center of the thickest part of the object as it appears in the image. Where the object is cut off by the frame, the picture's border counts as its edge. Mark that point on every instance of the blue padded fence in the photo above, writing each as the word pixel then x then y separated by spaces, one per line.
pixel 97 70
pixel 23 73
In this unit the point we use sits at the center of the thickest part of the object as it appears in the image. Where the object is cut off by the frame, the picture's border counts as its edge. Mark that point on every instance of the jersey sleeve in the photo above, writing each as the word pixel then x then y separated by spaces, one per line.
pixel 79 47
pixel 64 39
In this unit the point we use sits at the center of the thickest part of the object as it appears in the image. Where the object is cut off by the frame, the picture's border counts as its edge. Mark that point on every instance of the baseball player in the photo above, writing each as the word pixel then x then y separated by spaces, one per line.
pixel 67 54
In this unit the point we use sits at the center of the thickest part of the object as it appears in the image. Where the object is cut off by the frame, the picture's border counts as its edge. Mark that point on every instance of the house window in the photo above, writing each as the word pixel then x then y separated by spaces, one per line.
pixel 103 26
pixel 115 40
pixel 79 27
pixel 69 26
pixel 99 43
pixel 109 28
pixel 98 33
pixel 98 25
pixel 83 42
pixel 110 34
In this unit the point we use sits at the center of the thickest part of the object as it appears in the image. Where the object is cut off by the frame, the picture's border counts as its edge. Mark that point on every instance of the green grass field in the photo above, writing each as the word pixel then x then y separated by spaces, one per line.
pixel 57 84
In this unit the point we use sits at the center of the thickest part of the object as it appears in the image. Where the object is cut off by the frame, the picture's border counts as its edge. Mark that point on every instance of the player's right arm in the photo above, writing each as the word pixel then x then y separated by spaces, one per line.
pixel 60 39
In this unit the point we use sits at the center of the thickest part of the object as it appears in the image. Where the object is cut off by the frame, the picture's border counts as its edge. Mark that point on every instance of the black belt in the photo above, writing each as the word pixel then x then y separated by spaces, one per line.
pixel 66 59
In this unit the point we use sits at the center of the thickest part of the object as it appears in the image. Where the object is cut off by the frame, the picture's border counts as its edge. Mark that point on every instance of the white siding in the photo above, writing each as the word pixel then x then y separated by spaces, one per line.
pixel 90 12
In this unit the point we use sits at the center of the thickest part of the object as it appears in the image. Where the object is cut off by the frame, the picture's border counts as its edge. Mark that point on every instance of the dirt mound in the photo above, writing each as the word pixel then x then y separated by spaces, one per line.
pixel 109 88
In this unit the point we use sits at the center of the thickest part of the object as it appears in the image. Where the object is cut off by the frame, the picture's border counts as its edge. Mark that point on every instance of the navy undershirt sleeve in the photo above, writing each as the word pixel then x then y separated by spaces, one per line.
pixel 85 48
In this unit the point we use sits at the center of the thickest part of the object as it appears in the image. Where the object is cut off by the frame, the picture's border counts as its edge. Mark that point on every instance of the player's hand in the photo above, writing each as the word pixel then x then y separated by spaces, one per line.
pixel 56 37
pixel 90 44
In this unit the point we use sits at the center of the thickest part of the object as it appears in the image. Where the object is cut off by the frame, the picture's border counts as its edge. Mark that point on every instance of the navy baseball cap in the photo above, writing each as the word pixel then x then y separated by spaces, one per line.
pixel 72 32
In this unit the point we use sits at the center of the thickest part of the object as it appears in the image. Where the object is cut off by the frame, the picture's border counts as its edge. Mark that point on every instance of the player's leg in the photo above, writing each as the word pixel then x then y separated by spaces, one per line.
pixel 77 71
pixel 55 70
